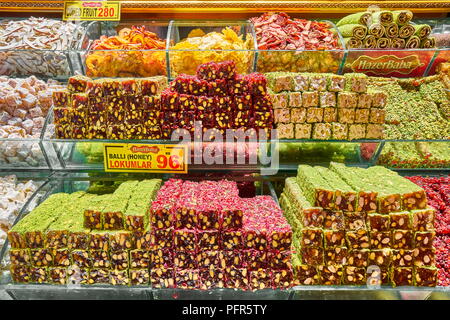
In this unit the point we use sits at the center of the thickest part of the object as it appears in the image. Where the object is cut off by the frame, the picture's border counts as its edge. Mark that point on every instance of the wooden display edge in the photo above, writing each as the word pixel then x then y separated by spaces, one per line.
pixel 181 6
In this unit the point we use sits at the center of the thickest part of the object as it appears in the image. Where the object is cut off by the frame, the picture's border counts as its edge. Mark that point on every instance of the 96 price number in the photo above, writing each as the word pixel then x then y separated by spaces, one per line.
pixel 168 161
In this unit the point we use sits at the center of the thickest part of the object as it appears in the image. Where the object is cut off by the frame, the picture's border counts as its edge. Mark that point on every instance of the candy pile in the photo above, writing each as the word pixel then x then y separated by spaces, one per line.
pixel 134 52
pixel 326 106
pixel 355 226
pixel 415 155
pixel 278 31
pixel 412 109
pixel 22 42
pixel 384 29
pixel 55 243
pixel 438 193
pixel 199 48
pixel 108 108
pixel 219 97
pixel 24 104
pixel 219 239
pixel 13 195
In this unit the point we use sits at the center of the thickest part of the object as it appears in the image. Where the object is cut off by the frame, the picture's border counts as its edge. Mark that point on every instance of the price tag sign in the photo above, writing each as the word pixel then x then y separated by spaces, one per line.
pixel 130 157
pixel 92 10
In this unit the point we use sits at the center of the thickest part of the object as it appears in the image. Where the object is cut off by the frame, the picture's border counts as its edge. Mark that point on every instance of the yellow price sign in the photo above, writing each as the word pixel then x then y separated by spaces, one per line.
pixel 131 157
pixel 92 10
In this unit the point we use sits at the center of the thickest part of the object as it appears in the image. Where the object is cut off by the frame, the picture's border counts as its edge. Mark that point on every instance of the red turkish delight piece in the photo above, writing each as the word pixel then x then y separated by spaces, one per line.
pixel 169 100
pixel 162 277
pixel 262 103
pixel 232 258
pixel 279 259
pixel 257 84
pixel 161 258
pixel 185 260
pixel 208 240
pixel 163 238
pixel 255 259
pixel 260 279
pixel 239 86
pixel 242 102
pixel 187 279
pixel 151 103
pixel 236 278
pixel 208 71
pixel 212 278
pixel 185 240
pixel 282 279
pixel 218 88
pixel 232 239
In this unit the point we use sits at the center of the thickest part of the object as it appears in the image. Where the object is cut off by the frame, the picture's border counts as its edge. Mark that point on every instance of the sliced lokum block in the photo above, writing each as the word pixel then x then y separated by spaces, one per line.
pixel 336 83
pixel 310 99
pixel 356 131
pixel 282 279
pixel 39 275
pixel 381 258
pixel 312 256
pixel 187 279
pixel 257 84
pixel 218 88
pixel 424 239
pixel 139 259
pixel 402 258
pixel 356 82
pixel 97 276
pixel 81 258
pixel 303 131
pixel 314 115
pixel 279 100
pixel 361 115
pixel 139 277
pixel 354 276
pixel 311 237
pixel 424 256
pixel 78 83
pixel 239 86
pixel 57 275
pixel 330 114
pixel 279 260
pixel 380 239
pixel 62 115
pixel 374 131
pixel 232 258
pixel 278 81
pixel 100 259
pixel 161 258
pixel 339 131
pixel 185 260
pixel 242 102
pixel 425 276
pixel 20 274
pixel 282 115
pixel 364 100
pixel 295 99
pixel 265 103
pixel 423 220
pixel 354 221
pixel 301 82
pixel 162 278
pixel 402 239
pixel 305 274
pixel 377 276
pixel 400 220
pixel 121 240
pixel 317 82
pixel 260 279
pixel 61 258
pixel 163 238
pixel 79 116
pixel 61 98
pixel 120 259
pixel 379 98
pixel 41 257
pixel 169 101
pixel 358 258
pixel 347 100
pixel 236 278
pixel 346 115
pixel 231 239
pixel 185 240
pixel 77 275
pixel 334 238
pixel 321 131
pixel 330 274
pixel 336 256
pixel 212 278
pixel 401 276
pixel 298 115
pixel 285 130
pixel 327 99
pixel 119 277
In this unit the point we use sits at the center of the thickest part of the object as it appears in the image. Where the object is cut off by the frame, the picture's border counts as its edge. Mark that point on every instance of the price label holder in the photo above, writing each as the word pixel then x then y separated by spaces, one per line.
pixel 131 157
pixel 91 10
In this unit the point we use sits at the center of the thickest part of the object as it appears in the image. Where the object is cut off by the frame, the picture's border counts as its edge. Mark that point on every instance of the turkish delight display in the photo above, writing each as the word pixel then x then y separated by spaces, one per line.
pixel 108 108
pixel 326 106
pixel 437 190
pixel 219 97
pixel 366 220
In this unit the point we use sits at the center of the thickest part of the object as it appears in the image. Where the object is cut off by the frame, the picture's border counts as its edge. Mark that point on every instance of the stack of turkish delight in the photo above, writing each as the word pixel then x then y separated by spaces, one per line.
pixel 109 108
pixel 85 238
pixel 354 226
pixel 210 237
pixel 326 106
pixel 438 193
pixel 219 98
